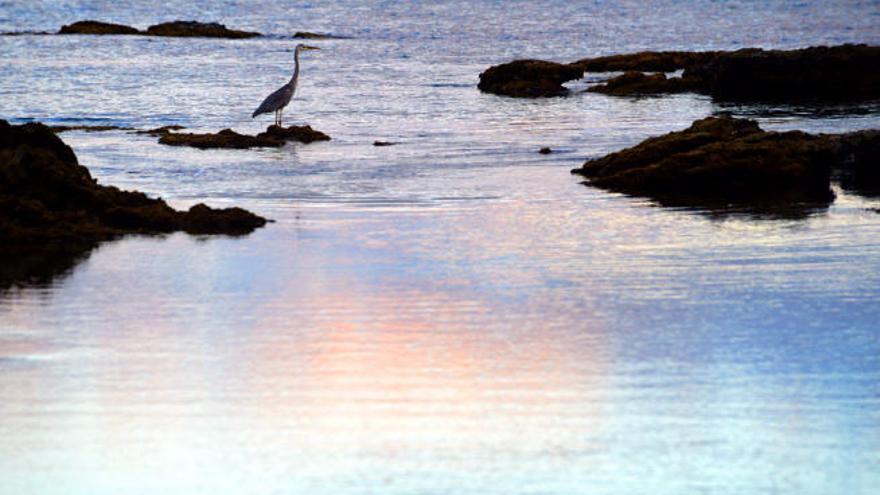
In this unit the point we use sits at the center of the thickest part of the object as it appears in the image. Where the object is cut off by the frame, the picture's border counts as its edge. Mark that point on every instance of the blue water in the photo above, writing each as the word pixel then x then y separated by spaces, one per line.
pixel 455 314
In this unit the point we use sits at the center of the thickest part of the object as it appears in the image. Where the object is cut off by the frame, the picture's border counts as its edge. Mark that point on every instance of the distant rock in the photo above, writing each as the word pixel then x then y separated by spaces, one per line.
pixel 545 151
pixel 49 201
pixel 97 27
pixel 273 137
pixel 383 143
pixel 197 29
pixel 722 159
pixel 528 78
pixel 182 29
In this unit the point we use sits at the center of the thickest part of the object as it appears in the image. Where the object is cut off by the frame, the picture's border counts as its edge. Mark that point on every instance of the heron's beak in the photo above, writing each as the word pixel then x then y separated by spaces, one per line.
pixel 306 47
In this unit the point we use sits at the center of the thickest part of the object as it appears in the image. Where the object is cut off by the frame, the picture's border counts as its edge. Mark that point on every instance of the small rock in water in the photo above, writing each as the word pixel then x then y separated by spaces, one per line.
pixel 273 137
pixel 87 128
pixel 383 143
pixel 161 131
pixel 197 29
pixel 545 151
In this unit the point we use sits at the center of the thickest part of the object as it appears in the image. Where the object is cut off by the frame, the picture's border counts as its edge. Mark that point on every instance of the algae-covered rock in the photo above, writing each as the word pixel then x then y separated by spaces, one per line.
pixel 528 78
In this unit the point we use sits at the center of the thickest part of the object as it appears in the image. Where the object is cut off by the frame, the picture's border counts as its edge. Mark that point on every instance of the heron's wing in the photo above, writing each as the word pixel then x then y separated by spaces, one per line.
pixel 276 100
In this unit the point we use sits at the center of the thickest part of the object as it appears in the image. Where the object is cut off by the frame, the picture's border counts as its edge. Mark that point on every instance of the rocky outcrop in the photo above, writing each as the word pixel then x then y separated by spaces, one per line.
pixel 273 137
pixel 529 78
pixel 723 159
pixel 816 74
pixel 49 201
pixel 97 27
pixel 175 28
pixel 821 74
pixel 197 29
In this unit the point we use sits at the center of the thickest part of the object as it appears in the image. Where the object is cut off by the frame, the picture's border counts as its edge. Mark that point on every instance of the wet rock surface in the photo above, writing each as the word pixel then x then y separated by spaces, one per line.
pixel 161 131
pixel 273 137
pixel 48 201
pixel 529 78
pixel 718 160
pixel 181 29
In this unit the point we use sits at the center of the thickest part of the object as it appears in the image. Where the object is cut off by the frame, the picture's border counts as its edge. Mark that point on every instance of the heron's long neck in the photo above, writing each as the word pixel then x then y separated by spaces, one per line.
pixel 295 67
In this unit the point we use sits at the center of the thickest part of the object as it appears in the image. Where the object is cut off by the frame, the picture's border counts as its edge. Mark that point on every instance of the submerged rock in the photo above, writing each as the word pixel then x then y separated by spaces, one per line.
pixel 273 137
pixel 97 27
pixel 723 159
pixel 383 143
pixel 197 29
pixel 87 128
pixel 161 131
pixel 528 78
pixel 305 35
pixel 49 201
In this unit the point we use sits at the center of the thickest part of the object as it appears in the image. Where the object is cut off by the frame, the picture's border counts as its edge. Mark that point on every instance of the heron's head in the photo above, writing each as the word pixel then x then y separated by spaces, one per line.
pixel 302 48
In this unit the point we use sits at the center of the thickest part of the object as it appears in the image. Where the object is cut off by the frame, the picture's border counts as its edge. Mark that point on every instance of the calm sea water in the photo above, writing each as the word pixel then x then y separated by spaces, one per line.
pixel 452 315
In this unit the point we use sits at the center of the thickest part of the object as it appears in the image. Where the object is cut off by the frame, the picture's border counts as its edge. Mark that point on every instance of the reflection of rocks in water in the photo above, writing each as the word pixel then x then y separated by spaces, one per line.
pixel 727 164
pixel 38 268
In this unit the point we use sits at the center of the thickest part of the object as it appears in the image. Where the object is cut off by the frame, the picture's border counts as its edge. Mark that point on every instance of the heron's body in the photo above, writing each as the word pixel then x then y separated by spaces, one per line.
pixel 276 101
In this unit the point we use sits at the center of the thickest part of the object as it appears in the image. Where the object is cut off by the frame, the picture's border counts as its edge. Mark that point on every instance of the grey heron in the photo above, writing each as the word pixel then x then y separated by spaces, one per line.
pixel 281 97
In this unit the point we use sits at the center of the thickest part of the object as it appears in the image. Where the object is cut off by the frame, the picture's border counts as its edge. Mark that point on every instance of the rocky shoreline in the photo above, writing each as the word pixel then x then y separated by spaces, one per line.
pixel 723 160
pixel 48 201
pixel 841 73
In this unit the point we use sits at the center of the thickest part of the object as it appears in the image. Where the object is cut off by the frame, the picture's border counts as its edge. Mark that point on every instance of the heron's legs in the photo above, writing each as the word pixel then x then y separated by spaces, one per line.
pixel 276 117
pixel 281 117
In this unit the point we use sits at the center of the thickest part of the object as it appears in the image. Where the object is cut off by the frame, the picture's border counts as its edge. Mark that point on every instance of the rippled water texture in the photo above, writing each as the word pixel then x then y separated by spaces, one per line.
pixel 452 315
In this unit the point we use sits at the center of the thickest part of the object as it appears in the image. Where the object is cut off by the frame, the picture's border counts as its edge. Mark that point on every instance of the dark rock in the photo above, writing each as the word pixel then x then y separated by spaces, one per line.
pixel 197 29
pixel 528 78
pixel 637 83
pixel 161 131
pixel 301 133
pixel 227 138
pixel 273 137
pixel 839 73
pixel 722 159
pixel 819 74
pixel 97 27
pixel 383 143
pixel 545 151
pixel 645 61
pixel 49 201
pixel 858 156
